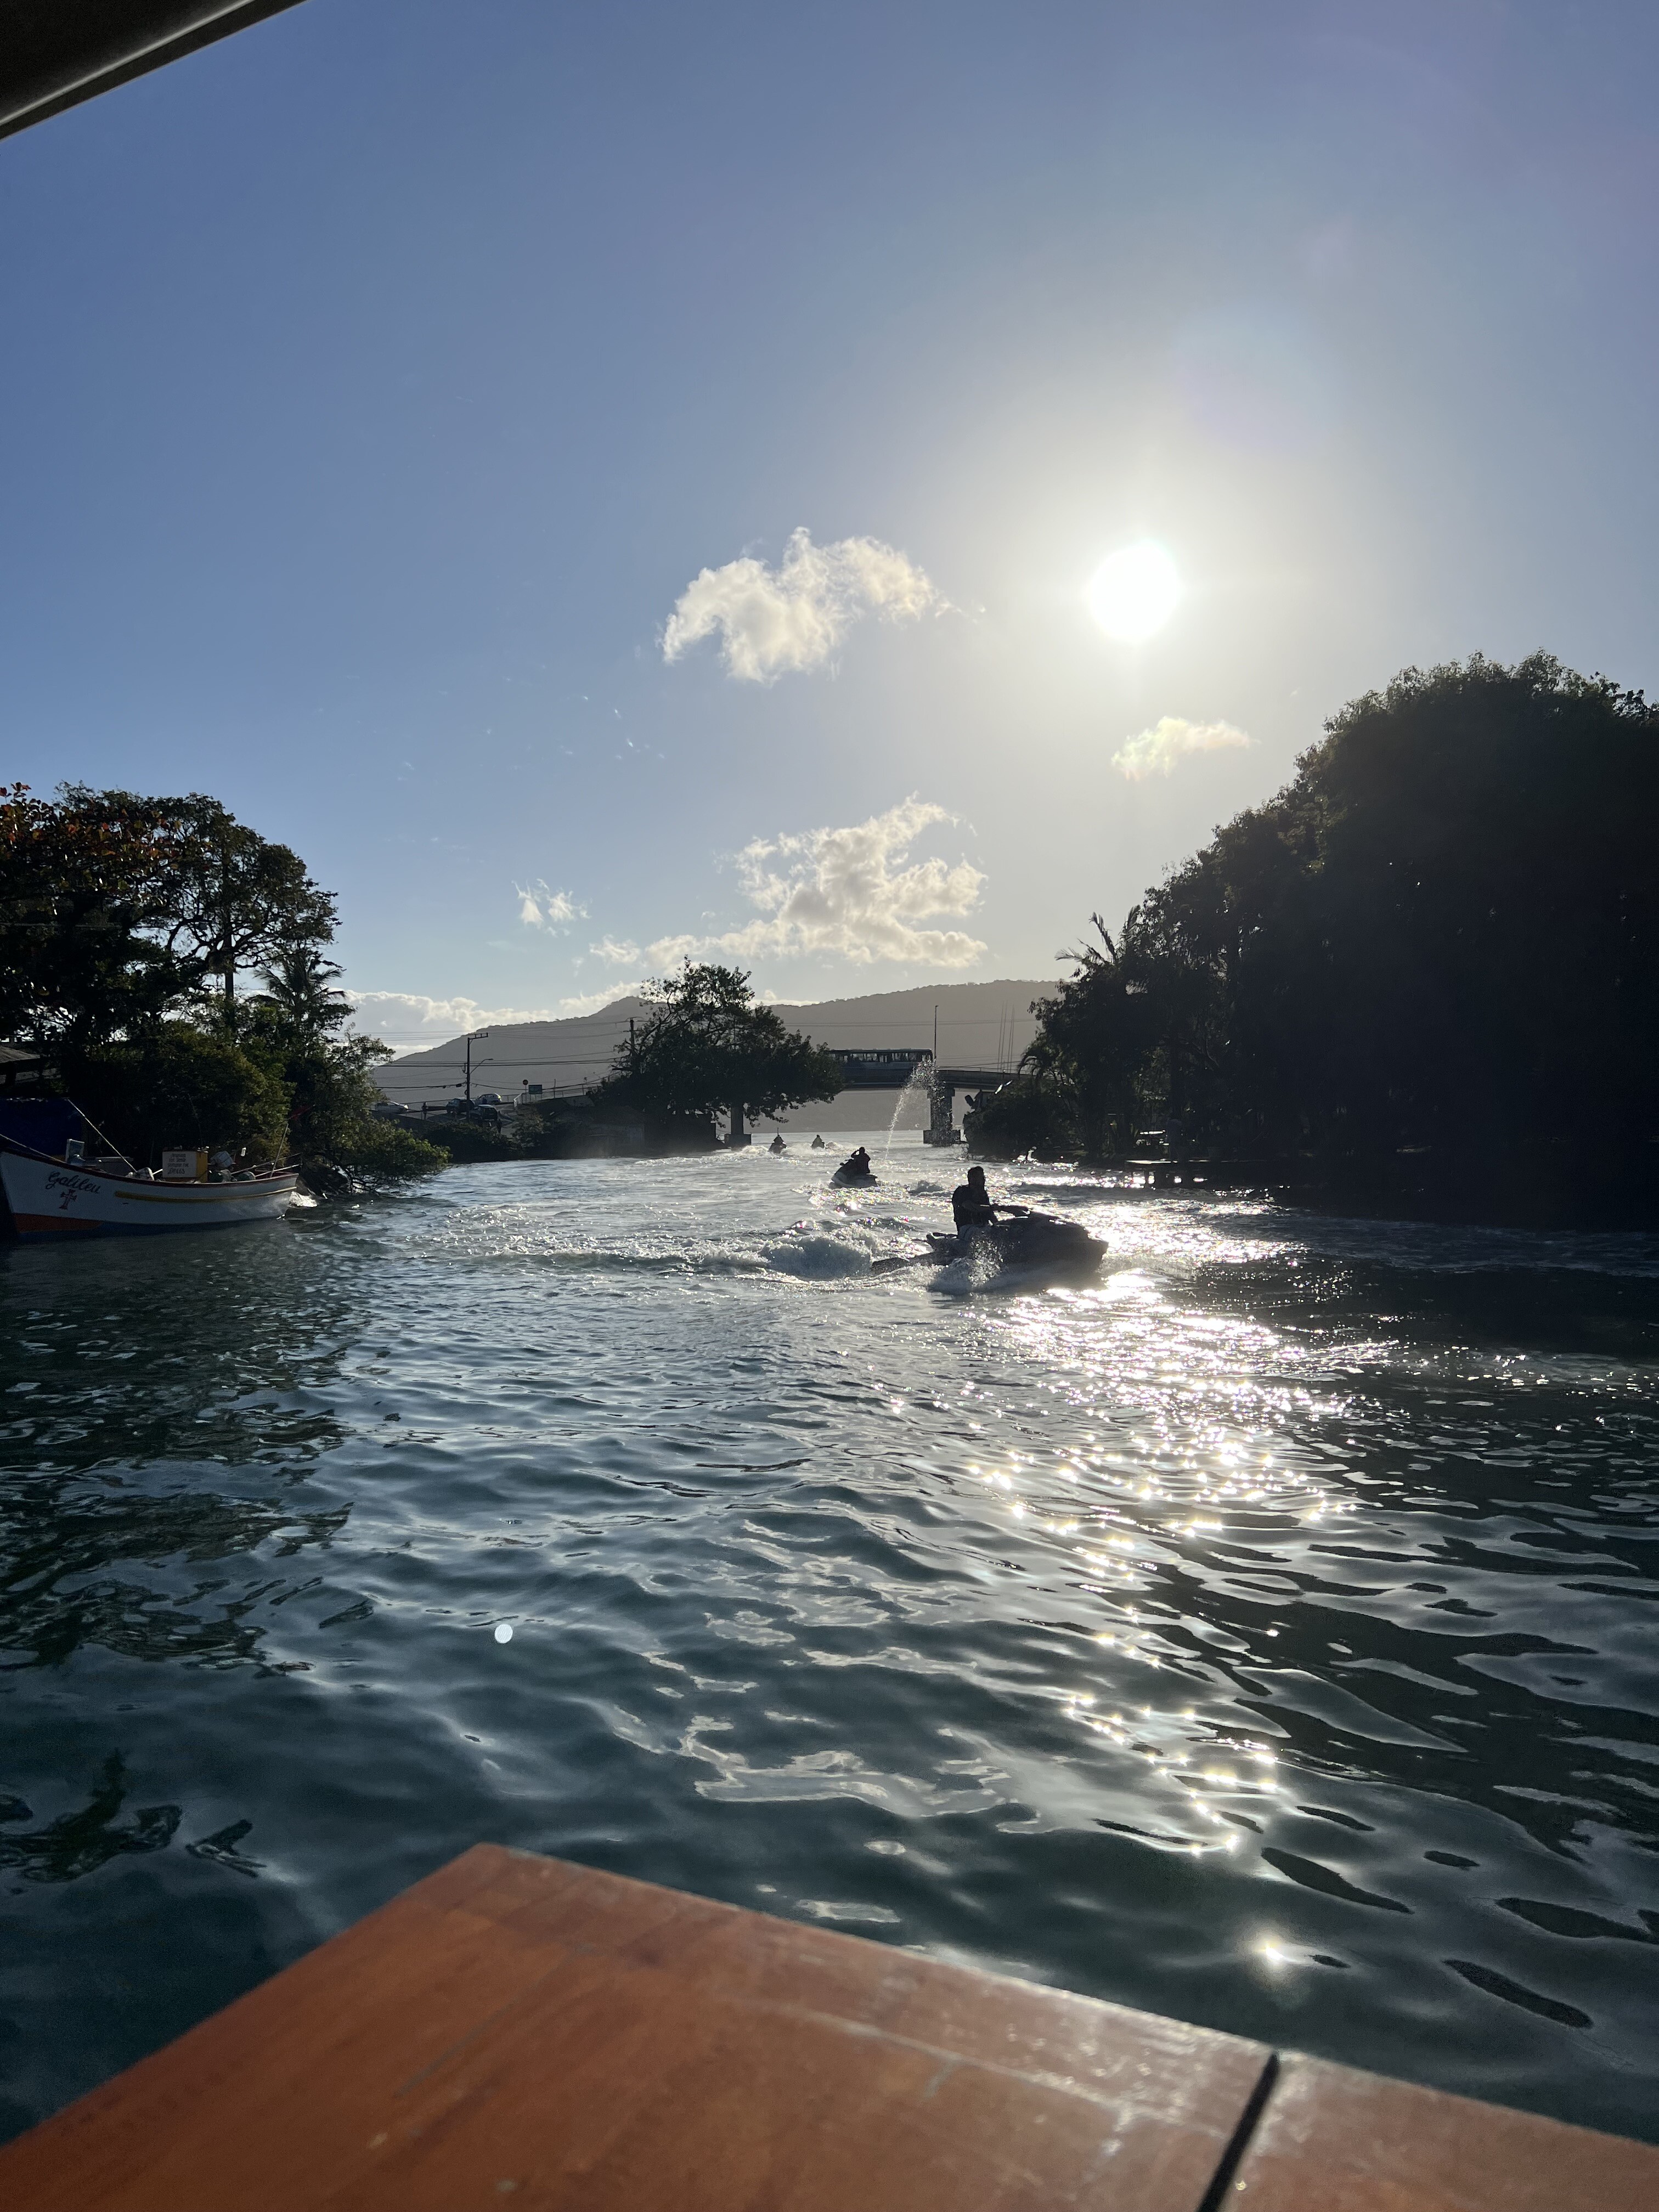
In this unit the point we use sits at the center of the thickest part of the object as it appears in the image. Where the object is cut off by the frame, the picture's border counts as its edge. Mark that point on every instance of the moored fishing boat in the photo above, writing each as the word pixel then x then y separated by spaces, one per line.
pixel 52 1194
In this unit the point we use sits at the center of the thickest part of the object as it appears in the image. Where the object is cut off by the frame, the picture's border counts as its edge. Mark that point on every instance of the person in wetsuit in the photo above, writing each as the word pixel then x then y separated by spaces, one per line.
pixel 971 1202
pixel 777 1144
pixel 857 1167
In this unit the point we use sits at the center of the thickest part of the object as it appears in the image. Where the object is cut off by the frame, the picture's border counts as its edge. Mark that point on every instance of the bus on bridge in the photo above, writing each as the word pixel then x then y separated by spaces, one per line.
pixel 886 1067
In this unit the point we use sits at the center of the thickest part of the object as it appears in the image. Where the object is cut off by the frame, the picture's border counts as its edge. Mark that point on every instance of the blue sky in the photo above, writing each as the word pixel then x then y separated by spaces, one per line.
pixel 372 400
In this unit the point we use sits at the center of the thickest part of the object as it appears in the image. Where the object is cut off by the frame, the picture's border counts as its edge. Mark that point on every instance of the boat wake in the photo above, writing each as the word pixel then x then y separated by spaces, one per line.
pixel 819 1259
pixel 836 1243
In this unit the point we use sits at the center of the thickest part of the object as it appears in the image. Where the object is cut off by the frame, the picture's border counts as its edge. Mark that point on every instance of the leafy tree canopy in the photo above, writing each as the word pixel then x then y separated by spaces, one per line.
pixel 708 1047
pixel 124 923
pixel 117 910
pixel 1440 940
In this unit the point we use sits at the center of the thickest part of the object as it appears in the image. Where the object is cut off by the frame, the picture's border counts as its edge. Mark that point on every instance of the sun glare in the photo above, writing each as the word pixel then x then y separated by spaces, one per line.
pixel 1134 592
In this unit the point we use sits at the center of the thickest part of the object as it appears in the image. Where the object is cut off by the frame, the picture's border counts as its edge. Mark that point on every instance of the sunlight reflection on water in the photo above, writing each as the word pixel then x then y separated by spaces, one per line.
pixel 1258 1634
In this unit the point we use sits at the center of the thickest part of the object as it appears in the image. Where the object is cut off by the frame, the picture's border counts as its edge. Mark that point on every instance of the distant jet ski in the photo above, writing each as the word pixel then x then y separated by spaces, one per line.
pixel 855 1172
pixel 1030 1240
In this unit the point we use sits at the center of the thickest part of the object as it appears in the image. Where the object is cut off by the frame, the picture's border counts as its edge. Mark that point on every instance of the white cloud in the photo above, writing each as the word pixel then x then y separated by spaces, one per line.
pixel 409 1020
pixel 540 907
pixel 595 1001
pixel 669 951
pixel 1154 751
pixel 853 892
pixel 794 616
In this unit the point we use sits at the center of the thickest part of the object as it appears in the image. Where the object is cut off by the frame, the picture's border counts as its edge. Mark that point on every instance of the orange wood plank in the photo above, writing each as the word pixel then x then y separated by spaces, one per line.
pixel 1332 2139
pixel 518 2031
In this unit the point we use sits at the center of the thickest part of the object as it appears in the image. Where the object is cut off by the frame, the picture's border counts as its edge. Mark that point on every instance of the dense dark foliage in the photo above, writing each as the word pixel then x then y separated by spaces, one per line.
pixel 1427 972
pixel 179 1084
pixel 114 909
pixel 125 925
pixel 706 1048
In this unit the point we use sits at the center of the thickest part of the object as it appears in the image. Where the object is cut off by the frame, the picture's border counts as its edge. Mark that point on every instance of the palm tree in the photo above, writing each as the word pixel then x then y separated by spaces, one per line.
pixel 300 998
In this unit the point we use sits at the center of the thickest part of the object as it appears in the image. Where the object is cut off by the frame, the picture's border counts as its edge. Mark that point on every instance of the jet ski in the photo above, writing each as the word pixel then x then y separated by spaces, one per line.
pixel 1030 1240
pixel 855 1173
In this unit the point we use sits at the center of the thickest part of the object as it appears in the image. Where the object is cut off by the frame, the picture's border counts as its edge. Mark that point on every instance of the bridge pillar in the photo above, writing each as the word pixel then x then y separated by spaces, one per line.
pixel 941 1097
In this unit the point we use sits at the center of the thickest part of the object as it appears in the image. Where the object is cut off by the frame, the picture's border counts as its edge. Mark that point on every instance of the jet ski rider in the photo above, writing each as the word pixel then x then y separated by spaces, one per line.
pixel 971 1202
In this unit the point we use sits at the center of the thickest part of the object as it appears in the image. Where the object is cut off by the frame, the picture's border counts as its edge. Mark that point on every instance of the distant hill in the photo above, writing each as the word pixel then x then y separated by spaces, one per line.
pixel 982 1025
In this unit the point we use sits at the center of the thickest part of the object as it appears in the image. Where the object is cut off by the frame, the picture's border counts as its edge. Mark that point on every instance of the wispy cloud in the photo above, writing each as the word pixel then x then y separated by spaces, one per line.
pixel 409 1020
pixel 595 1001
pixel 540 907
pixel 669 951
pixel 853 892
pixel 1154 751
pixel 772 620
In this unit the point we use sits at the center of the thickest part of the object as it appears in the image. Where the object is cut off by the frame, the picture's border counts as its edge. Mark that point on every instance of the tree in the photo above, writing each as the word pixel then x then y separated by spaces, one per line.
pixel 331 1119
pixel 301 1002
pixel 1032 1112
pixel 1130 1039
pixel 124 922
pixel 81 954
pixel 180 1084
pixel 1430 964
pixel 708 1047
pixel 117 910
pixel 230 900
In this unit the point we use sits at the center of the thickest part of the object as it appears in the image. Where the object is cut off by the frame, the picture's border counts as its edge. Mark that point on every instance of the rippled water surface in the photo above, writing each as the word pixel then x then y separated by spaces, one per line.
pixel 1264 1635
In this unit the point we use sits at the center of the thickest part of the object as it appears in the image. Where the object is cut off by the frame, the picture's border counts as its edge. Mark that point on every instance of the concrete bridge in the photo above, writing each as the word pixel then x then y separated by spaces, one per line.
pixel 897 1068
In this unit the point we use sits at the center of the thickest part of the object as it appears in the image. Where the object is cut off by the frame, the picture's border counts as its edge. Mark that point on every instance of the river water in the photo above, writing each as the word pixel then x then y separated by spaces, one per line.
pixel 1263 1636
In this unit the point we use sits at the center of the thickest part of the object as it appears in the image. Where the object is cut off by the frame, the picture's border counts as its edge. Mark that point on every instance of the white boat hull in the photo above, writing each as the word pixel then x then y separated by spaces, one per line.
pixel 50 1200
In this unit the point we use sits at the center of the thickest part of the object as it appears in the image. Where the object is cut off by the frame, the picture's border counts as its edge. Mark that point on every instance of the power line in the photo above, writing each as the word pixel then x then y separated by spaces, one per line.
pixel 816 1029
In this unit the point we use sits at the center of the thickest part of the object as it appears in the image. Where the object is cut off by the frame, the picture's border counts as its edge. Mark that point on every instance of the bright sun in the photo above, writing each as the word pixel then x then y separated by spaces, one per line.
pixel 1134 592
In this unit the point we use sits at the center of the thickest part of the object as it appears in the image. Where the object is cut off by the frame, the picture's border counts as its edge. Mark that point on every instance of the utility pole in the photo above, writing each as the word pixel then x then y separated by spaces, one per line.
pixel 471 1042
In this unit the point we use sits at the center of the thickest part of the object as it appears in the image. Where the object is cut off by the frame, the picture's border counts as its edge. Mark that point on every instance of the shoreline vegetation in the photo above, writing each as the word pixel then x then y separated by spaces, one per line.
pixel 127 927
pixel 705 1048
pixel 1420 981
pixel 131 927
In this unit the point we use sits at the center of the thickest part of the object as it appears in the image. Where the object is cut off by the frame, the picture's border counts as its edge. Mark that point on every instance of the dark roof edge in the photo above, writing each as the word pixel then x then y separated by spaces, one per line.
pixel 76 59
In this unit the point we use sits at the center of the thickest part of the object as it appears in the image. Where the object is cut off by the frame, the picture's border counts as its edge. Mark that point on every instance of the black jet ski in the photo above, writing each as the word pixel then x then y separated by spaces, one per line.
pixel 855 1173
pixel 1030 1240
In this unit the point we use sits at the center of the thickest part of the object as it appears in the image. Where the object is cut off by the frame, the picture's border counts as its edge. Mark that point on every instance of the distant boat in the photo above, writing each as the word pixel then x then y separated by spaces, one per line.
pixel 53 1195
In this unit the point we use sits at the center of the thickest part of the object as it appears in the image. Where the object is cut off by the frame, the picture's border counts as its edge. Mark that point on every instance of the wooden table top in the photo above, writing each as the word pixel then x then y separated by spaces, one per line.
pixel 519 2031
